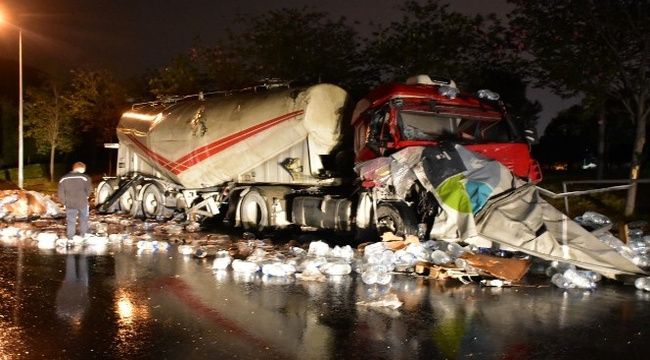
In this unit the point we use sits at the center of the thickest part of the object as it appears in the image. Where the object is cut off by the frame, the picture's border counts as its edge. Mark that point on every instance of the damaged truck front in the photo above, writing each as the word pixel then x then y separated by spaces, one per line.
pixel 264 159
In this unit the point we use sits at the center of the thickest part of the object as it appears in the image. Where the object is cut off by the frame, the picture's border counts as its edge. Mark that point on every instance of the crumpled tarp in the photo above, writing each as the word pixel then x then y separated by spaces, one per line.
pixel 483 203
pixel 23 204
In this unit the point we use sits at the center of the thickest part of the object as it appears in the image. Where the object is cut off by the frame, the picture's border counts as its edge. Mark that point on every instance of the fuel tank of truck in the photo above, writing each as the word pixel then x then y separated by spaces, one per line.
pixel 275 136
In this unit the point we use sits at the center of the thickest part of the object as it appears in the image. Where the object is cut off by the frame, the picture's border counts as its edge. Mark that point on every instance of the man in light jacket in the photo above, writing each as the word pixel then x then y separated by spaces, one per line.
pixel 74 189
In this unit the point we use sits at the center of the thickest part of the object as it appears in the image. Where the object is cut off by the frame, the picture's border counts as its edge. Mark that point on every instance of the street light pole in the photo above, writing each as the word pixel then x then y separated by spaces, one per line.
pixel 20 108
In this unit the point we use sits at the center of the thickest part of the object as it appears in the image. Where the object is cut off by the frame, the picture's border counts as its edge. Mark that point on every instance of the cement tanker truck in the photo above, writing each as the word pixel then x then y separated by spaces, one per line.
pixel 272 156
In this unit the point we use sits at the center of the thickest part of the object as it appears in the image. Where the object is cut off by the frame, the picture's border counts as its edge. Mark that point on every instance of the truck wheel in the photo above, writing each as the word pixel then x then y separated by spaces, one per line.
pixel 396 218
pixel 127 200
pixel 103 192
pixel 254 211
pixel 152 201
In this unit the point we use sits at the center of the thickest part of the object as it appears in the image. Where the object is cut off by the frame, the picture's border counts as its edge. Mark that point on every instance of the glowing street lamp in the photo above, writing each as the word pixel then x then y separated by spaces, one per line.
pixel 3 20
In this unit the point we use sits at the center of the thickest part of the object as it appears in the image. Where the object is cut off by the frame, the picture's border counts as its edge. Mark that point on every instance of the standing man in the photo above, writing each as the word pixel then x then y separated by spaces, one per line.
pixel 74 189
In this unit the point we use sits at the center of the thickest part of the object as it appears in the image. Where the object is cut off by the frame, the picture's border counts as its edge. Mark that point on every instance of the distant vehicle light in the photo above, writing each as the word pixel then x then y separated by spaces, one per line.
pixel 560 166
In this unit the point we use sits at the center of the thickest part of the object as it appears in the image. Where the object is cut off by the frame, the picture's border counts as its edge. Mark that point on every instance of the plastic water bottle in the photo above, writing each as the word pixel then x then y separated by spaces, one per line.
pixel 642 283
pixel 579 279
pixel 593 276
pixel 440 257
pixel 318 248
pixel 222 261
pixel 335 268
pixel 404 258
pixel 384 278
pixel 560 281
pixel 278 269
pixel 594 219
pixel 377 247
pixel 454 250
pixel 558 267
pixel 373 274
pixel 369 277
pixel 387 260
pixel 242 266
pixel 374 258
pixel 417 250
pixel 344 252
pixel 635 233
pixel 186 249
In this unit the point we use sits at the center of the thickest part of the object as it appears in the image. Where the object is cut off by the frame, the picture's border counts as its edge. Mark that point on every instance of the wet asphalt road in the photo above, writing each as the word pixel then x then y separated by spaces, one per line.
pixel 130 305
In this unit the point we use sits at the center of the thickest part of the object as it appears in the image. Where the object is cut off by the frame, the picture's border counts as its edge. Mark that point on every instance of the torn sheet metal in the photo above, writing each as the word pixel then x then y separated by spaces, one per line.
pixel 524 221
pixel 483 203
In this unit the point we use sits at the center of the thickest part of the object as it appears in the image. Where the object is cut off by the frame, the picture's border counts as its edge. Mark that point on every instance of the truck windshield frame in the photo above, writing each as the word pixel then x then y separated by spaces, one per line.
pixel 417 125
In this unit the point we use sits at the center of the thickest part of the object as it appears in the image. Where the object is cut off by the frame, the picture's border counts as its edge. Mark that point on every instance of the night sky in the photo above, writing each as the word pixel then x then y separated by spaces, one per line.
pixel 131 36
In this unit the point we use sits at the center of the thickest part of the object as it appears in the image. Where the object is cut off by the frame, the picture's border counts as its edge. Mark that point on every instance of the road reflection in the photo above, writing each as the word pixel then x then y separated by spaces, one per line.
pixel 128 304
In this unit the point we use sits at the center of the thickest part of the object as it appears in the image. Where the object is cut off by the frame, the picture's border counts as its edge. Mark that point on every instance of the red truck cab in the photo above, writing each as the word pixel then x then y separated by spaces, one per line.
pixel 423 112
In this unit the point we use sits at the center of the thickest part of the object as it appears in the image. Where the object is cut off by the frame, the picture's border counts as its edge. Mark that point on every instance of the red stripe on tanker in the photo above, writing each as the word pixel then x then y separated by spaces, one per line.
pixel 196 156
pixel 219 145
pixel 167 164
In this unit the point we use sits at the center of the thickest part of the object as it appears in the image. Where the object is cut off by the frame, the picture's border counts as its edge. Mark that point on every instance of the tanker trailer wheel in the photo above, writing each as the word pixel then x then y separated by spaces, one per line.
pixel 397 218
pixel 126 200
pixel 152 201
pixel 103 192
pixel 254 211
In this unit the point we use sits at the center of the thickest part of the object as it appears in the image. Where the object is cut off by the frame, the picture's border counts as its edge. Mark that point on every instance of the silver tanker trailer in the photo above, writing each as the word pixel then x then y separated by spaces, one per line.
pixel 257 157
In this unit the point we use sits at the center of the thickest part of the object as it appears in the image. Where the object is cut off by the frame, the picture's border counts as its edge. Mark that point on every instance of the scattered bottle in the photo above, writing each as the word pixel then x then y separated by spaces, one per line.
pixel 278 269
pixel 642 283
pixel 241 266
pixel 222 260
pixel 186 249
pixel 579 279
pixel 560 281
pixel 318 248
pixel 440 257
pixel 335 268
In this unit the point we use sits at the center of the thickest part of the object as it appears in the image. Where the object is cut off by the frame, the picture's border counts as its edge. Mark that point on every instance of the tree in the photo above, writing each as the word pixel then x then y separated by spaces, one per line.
pixel 432 39
pixel 49 122
pixel 568 137
pixel 600 48
pixel 181 76
pixel 97 100
pixel 295 45
pixel 474 51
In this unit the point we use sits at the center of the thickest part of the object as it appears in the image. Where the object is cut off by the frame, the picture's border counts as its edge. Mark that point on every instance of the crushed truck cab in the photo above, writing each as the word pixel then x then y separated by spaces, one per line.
pixel 424 113
pixel 262 157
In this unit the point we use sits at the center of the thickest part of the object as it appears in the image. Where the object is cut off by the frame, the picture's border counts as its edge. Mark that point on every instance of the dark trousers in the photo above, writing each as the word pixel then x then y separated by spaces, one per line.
pixel 71 221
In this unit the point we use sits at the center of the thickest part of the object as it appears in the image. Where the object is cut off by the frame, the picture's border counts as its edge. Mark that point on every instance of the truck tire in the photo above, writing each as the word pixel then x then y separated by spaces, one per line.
pixel 254 211
pixel 103 192
pixel 397 218
pixel 127 201
pixel 153 204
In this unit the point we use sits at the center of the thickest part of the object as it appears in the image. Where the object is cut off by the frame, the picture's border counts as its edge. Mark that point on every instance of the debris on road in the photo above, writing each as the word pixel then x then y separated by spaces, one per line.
pixel 23 205
pixel 509 269
pixel 375 264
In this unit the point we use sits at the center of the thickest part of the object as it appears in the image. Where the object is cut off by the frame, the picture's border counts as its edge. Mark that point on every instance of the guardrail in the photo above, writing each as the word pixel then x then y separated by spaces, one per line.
pixel 566 193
